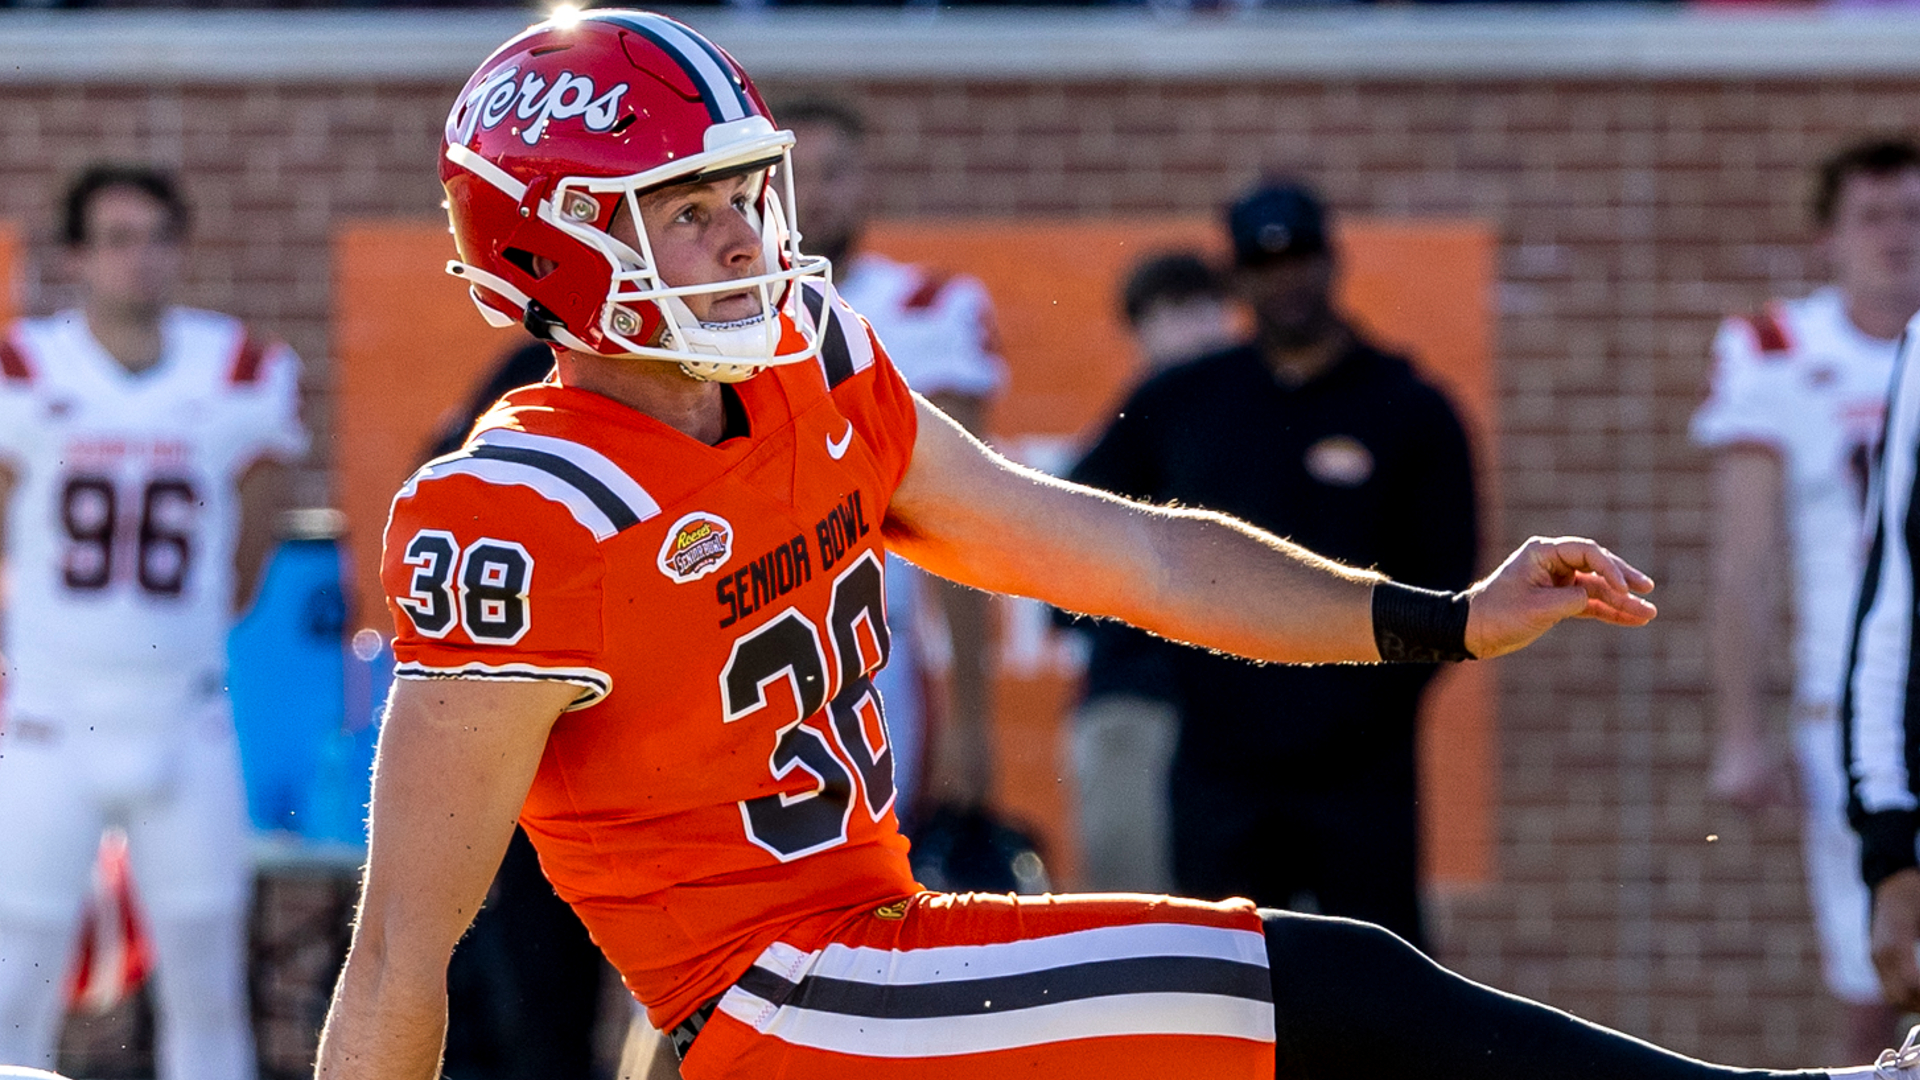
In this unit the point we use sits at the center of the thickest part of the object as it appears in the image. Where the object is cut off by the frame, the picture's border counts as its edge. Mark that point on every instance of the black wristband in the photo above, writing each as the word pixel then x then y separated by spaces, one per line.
pixel 1419 626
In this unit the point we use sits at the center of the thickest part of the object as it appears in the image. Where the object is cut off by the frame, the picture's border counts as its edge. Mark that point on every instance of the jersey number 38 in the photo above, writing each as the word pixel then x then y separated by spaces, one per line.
pixel 792 825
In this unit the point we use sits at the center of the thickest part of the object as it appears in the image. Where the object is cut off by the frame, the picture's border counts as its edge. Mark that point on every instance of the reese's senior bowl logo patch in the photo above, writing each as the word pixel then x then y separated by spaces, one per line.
pixel 696 546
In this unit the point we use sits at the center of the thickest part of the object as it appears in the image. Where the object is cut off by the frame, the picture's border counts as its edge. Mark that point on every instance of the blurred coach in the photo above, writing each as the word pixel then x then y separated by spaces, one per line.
pixel 1296 786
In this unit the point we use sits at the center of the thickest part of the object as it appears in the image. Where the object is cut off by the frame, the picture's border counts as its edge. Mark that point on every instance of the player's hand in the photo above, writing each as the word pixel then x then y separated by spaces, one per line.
pixel 1751 774
pixel 1547 581
pixel 1896 931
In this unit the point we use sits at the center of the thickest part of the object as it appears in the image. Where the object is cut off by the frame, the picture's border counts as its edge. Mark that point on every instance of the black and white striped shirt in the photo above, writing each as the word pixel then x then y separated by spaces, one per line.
pixel 1880 709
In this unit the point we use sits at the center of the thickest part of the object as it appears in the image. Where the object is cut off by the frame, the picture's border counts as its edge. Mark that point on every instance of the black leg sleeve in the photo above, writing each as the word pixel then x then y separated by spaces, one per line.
pixel 1353 1002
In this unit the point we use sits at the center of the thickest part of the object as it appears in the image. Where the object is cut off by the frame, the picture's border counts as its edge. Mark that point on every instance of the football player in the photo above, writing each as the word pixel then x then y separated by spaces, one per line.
pixel 1799 392
pixel 138 439
pixel 641 608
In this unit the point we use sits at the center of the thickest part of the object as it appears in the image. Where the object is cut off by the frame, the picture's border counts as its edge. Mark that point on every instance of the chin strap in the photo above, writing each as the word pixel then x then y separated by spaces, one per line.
pixel 720 369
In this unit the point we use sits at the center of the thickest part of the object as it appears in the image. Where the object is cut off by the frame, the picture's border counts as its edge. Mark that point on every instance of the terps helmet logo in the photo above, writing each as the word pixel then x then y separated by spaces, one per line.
pixel 696 546
pixel 533 102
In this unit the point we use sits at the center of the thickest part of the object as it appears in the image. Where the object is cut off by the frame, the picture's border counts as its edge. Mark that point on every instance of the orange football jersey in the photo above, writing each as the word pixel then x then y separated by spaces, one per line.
pixel 725 771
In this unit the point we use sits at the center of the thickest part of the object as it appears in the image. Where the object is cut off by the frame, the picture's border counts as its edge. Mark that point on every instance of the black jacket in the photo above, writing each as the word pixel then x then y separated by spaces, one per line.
pixel 1366 464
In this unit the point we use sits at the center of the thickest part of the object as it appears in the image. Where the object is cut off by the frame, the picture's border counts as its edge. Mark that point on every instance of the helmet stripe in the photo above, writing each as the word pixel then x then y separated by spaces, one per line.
pixel 722 94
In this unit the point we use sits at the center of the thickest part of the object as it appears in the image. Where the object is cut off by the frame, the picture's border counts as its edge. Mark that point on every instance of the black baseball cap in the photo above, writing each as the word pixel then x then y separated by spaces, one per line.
pixel 1278 219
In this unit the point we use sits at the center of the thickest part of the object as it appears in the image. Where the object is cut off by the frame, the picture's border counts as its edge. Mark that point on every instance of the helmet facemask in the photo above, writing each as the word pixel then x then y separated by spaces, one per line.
pixel 645 317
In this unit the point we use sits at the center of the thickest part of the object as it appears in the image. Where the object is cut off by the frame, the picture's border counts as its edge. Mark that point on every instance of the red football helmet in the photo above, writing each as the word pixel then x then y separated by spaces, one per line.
pixel 566 120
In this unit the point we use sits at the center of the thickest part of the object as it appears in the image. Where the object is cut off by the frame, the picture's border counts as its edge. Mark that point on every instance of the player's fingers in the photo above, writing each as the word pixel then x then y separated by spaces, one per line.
pixel 1601 611
pixel 1566 556
pixel 1573 554
pixel 1613 606
pixel 1618 572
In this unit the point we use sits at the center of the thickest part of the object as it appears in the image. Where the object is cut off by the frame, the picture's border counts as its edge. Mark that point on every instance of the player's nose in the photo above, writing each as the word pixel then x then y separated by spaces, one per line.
pixel 739 242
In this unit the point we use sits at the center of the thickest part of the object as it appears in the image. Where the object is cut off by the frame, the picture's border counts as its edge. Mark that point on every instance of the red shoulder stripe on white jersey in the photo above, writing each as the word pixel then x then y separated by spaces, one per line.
pixel 1770 333
pixel 931 284
pixel 246 360
pixel 13 363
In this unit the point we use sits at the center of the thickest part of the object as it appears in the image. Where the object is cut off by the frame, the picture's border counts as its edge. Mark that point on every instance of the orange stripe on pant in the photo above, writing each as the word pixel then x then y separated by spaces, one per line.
pixel 976 986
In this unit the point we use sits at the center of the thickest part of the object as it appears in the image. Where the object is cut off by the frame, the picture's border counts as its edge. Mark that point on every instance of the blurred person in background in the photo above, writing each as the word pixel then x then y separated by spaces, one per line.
pixel 1297 786
pixel 938 328
pixel 1793 418
pixel 1177 307
pixel 141 444
pixel 1122 735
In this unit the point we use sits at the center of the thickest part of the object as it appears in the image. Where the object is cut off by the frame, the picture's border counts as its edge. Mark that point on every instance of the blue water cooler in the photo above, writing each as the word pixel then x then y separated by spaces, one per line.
pixel 305 700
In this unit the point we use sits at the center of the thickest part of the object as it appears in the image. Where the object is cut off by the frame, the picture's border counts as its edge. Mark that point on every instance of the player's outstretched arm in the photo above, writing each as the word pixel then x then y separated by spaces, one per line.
pixel 966 513
pixel 456 759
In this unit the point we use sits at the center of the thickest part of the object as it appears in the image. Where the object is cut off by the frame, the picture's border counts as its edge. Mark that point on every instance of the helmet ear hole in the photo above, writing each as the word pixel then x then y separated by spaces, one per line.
pixel 534 266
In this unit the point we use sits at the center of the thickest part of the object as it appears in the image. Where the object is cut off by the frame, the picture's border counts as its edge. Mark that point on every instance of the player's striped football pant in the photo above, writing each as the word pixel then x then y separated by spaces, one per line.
pixel 1119 987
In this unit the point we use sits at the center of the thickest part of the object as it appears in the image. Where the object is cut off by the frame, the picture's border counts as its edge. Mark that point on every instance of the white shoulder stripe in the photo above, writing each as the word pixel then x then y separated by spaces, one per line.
pixel 594 684
pixel 591 461
pixel 583 509
pixel 859 345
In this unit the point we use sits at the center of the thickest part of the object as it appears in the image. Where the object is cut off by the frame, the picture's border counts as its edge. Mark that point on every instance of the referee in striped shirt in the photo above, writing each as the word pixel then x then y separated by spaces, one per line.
pixel 1880 703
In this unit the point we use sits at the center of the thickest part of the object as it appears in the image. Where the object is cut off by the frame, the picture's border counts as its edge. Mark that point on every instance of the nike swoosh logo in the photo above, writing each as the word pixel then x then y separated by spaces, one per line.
pixel 838 450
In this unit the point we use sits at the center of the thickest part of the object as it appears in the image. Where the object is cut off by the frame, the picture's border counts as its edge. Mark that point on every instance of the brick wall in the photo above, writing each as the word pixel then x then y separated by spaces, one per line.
pixel 1631 214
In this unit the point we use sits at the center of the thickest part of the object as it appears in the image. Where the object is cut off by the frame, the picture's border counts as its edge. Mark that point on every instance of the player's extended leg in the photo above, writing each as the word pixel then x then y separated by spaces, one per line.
pixel 49 831
pixel 190 869
pixel 943 987
pixel 1354 1002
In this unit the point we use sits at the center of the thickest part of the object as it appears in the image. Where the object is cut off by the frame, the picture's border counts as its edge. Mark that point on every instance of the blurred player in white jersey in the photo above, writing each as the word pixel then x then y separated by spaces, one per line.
pixel 1794 415
pixel 938 328
pixel 136 448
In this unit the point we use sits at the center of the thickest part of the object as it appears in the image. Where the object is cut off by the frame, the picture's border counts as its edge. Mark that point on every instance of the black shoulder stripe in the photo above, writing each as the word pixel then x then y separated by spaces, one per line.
pixel 616 509
pixel 835 357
